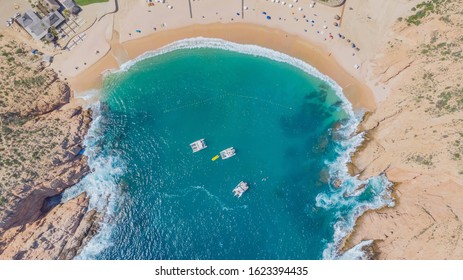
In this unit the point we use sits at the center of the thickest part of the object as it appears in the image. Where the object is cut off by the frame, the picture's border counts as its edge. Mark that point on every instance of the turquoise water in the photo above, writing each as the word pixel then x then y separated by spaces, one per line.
pixel 164 202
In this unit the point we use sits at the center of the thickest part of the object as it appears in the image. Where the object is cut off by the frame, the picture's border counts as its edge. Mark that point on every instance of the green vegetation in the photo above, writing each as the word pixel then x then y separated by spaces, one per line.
pixel 424 9
pixel 28 144
pixel 446 50
pixel 2 201
pixel 425 160
pixel 436 86
pixel 450 100
pixel 88 2
pixel 456 147
pixel 30 81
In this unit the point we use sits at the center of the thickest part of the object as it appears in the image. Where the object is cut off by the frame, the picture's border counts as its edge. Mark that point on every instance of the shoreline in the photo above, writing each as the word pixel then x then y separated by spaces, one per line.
pixel 413 121
pixel 42 118
pixel 359 95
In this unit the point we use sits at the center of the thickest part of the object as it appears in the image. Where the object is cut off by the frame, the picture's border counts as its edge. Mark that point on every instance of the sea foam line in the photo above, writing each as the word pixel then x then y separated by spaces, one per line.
pixel 335 199
pixel 214 43
pixel 348 208
pixel 101 185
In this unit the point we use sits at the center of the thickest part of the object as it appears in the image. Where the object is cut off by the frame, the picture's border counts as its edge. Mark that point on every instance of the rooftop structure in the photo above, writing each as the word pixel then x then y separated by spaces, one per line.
pixel 70 6
pixel 51 4
pixel 240 189
pixel 37 27
pixel 198 145
pixel 53 19
pixel 228 153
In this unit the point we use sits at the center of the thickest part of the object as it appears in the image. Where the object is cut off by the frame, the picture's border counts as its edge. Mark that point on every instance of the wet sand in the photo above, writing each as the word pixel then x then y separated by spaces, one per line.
pixel 357 93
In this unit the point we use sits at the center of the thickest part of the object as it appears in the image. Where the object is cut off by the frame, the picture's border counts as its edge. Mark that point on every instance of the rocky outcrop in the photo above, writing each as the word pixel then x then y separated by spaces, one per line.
pixel 425 223
pixel 60 168
pixel 58 95
pixel 415 137
pixel 58 235
pixel 41 146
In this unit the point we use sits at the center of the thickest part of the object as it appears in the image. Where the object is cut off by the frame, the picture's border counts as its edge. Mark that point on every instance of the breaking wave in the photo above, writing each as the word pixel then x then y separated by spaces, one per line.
pixel 101 185
pixel 350 200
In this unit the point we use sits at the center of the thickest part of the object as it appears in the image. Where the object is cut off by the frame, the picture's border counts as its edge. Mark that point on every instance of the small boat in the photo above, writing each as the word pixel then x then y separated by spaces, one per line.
pixel 227 153
pixel 198 145
pixel 215 157
pixel 240 189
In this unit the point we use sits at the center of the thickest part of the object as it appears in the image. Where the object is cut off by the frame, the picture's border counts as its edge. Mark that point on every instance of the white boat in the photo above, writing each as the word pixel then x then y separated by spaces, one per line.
pixel 240 189
pixel 227 153
pixel 198 145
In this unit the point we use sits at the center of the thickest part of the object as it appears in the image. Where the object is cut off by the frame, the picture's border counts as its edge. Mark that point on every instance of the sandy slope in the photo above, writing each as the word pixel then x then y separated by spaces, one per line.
pixel 415 136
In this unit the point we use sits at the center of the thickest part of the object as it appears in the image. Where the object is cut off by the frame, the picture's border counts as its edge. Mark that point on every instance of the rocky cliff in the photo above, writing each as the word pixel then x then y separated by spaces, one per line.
pixel 40 156
pixel 416 138
pixel 58 235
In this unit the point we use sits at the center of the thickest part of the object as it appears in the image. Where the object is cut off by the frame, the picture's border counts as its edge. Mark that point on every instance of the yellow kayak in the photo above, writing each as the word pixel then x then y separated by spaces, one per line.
pixel 215 158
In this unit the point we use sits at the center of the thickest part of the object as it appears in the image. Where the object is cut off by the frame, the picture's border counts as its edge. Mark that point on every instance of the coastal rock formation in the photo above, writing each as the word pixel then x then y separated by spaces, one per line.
pixel 51 163
pixel 58 235
pixel 424 225
pixel 415 136
pixel 41 155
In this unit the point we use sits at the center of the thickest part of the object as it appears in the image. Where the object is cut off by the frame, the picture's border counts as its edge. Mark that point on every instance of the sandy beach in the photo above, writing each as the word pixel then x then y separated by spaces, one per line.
pixel 357 93
pixel 298 30
pixel 415 142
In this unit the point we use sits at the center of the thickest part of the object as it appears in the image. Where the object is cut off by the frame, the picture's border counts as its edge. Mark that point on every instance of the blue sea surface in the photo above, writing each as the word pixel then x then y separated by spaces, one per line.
pixel 169 203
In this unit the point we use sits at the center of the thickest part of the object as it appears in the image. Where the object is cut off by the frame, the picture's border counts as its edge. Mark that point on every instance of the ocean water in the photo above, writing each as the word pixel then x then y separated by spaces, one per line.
pixel 293 132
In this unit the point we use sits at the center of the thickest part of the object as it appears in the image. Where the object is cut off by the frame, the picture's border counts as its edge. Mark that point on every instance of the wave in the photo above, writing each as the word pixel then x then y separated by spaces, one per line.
pixel 87 95
pixel 353 196
pixel 348 201
pixel 101 185
pixel 357 252
pixel 213 43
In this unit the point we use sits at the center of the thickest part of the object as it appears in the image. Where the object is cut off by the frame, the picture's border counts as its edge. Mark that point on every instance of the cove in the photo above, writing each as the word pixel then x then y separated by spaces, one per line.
pixel 170 203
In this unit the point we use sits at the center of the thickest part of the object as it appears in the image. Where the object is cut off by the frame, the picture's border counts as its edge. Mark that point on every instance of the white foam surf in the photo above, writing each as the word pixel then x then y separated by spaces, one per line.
pixel 346 200
pixel 357 252
pixel 213 43
pixel 102 183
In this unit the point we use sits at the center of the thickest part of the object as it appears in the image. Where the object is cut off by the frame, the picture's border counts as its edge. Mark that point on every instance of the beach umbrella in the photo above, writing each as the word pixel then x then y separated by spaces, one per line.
pixel 269 17
pixel 336 17
pixel 353 45
pixel 336 24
